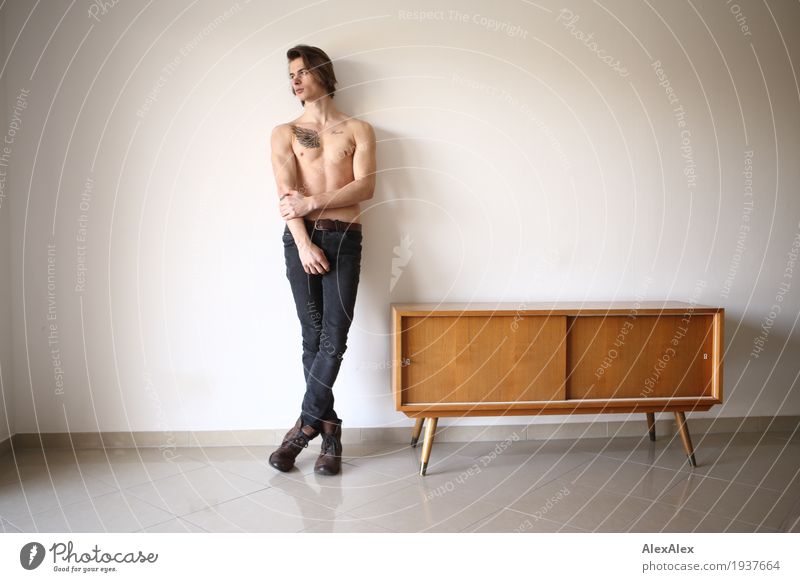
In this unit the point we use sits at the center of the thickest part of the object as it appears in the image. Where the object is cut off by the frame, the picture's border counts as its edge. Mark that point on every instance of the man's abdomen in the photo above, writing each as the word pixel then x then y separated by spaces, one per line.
pixel 346 213
pixel 330 178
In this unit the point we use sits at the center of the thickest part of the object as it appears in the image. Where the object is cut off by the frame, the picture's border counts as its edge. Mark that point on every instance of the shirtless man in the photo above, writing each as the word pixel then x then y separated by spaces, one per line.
pixel 324 165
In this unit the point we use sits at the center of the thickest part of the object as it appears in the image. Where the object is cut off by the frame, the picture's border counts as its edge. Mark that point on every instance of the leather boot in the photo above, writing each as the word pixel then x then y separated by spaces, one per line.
pixel 293 442
pixel 329 461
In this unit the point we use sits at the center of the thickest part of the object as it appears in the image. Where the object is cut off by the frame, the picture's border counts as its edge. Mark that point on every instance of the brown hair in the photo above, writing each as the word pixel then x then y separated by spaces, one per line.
pixel 318 64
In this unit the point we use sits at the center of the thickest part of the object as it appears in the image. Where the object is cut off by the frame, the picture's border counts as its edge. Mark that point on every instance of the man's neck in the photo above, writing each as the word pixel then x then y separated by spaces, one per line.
pixel 320 111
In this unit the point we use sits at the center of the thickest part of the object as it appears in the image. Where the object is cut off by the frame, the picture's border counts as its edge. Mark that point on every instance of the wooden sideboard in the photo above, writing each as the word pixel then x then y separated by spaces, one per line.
pixel 501 359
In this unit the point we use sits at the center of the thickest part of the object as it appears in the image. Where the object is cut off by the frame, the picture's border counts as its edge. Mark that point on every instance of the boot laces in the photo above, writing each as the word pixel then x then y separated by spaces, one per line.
pixel 299 440
pixel 329 443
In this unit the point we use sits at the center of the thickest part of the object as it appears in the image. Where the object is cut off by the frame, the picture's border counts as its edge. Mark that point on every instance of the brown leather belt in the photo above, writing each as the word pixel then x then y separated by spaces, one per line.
pixel 329 224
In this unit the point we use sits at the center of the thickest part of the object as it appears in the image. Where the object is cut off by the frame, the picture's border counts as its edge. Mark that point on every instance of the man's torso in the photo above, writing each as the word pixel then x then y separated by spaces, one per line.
pixel 325 163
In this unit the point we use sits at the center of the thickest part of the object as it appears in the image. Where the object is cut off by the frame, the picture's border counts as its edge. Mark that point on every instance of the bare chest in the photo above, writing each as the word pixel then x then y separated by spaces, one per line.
pixel 331 149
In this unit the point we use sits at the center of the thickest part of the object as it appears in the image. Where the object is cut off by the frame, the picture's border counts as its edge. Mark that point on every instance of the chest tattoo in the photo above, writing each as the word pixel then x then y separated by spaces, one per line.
pixel 306 137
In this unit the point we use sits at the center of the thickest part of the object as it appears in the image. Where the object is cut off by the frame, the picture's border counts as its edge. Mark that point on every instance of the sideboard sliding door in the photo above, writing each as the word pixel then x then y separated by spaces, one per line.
pixel 483 360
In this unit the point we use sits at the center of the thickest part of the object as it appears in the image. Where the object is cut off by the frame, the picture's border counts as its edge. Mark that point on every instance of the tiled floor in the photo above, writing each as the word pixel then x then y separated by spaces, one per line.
pixel 743 483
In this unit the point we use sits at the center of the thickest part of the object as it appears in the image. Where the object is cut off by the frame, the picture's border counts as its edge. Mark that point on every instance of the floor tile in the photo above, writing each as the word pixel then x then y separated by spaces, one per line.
pixel 54 490
pixel 130 471
pixel 27 464
pixel 624 477
pixel 737 501
pixel 113 512
pixel 175 525
pixel 346 525
pixel 130 466
pixel 744 482
pixel 352 487
pixel 404 462
pixel 582 507
pixel 665 452
pixel 31 472
pixel 8 527
pixel 510 521
pixel 413 509
pixel 194 490
pixel 771 464
pixel 505 479
pixel 664 518
pixel 254 464
pixel 713 523
pixel 210 455
pixel 267 510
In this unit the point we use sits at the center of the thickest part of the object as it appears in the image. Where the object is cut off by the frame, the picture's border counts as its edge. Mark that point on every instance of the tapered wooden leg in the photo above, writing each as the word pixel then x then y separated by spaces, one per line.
pixel 651 425
pixel 680 419
pixel 417 431
pixel 426 446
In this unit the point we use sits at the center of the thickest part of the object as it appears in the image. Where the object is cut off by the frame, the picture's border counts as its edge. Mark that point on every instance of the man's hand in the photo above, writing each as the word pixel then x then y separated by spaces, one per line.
pixel 313 258
pixel 294 205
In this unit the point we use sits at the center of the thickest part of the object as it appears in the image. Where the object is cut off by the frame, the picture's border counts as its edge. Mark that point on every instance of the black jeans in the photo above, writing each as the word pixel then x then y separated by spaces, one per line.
pixel 325 305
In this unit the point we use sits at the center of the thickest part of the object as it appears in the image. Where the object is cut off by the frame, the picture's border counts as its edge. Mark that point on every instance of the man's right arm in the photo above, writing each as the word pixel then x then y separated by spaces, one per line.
pixel 285 170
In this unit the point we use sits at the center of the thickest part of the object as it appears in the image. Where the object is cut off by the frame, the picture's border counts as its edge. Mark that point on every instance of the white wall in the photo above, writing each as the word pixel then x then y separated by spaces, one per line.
pixel 6 385
pixel 518 163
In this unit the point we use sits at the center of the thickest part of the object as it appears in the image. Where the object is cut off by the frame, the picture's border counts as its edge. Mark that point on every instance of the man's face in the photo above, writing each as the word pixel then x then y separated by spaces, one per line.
pixel 304 84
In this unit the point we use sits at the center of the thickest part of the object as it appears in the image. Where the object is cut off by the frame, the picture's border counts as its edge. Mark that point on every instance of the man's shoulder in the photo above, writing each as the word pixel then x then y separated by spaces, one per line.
pixel 281 138
pixel 282 134
pixel 283 127
pixel 361 129
pixel 359 124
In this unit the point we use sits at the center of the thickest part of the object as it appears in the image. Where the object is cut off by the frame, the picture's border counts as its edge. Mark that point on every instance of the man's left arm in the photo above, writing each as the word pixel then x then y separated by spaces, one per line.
pixel 363 185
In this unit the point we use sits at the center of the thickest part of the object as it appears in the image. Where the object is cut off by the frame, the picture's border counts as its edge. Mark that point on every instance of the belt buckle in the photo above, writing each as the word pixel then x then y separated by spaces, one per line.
pixel 317 225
